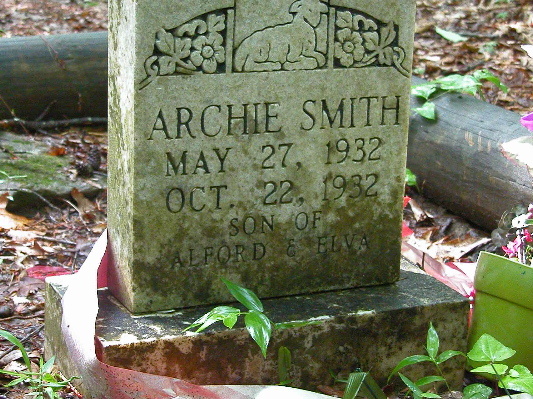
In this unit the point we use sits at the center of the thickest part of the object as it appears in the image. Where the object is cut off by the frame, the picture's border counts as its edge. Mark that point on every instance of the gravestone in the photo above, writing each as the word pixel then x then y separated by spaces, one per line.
pixel 263 142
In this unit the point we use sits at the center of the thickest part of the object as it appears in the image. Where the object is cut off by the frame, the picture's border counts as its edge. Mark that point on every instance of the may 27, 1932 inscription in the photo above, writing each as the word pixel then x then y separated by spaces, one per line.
pixel 263 144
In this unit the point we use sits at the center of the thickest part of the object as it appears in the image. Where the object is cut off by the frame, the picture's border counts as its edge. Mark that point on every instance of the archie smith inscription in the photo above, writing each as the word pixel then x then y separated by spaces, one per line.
pixel 261 144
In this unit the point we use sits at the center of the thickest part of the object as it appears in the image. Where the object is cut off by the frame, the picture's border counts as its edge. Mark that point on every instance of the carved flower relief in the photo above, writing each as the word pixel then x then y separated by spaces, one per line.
pixel 349 47
pixel 208 52
pixel 359 41
pixel 197 44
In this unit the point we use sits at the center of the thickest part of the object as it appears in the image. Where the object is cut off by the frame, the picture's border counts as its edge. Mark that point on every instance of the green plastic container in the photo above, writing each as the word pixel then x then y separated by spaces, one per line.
pixel 504 306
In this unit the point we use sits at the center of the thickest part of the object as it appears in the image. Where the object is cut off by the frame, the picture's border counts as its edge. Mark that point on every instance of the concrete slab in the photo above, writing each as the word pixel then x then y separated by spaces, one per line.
pixel 368 328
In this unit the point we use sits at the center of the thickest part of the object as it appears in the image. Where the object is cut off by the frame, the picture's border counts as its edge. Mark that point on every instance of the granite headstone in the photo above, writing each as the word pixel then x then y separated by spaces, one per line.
pixel 263 142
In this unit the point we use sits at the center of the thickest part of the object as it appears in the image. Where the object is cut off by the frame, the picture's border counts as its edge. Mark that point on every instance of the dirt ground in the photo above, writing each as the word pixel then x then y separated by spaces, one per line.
pixel 61 234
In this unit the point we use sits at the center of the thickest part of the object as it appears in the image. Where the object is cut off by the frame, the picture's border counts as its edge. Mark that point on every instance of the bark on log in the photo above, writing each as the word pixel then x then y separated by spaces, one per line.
pixel 68 71
pixel 458 162
pixel 457 159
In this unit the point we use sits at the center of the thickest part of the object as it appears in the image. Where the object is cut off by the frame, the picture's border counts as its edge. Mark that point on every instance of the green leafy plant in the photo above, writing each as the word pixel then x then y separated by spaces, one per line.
pixel 487 349
pixel 469 84
pixel 257 323
pixel 43 383
pixel 259 326
pixel 433 356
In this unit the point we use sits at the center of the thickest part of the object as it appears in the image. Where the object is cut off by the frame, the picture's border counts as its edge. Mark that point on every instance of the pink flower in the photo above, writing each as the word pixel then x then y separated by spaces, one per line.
pixel 512 248
pixel 527 121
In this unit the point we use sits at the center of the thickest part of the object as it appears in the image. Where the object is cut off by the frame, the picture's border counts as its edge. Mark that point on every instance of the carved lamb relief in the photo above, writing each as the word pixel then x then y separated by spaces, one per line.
pixel 288 46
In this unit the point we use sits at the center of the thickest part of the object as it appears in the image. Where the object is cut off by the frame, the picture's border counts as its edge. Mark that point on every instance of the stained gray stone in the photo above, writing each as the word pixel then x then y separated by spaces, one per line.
pixel 371 328
pixel 263 142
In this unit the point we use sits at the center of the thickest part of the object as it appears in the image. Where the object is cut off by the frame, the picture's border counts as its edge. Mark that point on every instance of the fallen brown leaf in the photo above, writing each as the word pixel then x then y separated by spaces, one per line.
pixel 9 220
pixel 23 236
pixel 84 204
pixel 57 151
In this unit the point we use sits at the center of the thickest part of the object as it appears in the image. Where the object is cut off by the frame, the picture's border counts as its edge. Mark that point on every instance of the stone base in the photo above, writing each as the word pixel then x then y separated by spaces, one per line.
pixel 367 328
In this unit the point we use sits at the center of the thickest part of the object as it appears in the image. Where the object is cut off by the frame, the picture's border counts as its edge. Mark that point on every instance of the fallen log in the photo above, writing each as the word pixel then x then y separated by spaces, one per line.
pixel 53 77
pixel 457 158
pixel 458 162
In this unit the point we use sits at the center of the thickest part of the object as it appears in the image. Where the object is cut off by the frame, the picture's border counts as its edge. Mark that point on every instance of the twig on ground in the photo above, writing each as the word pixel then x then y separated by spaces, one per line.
pixel 19 317
pixel 45 112
pixel 55 240
pixel 41 125
pixel 36 330
pixel 71 386
pixel 11 111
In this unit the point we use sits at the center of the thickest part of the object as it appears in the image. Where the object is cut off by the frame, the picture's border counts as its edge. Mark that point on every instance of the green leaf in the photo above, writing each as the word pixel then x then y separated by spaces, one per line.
pixel 491 369
pixel 519 379
pixel 417 392
pixel 244 296
pixel 50 392
pixel 477 391
pixel 284 364
pixel 227 314
pixel 520 371
pixel 45 368
pixel 15 341
pixel 448 355
pixel 410 178
pixel 16 382
pixel 260 329
pixel 230 319
pixel 355 381
pixel 432 342
pixel 429 380
pixel 49 378
pixel 409 361
pixel 519 384
pixel 461 83
pixel 489 349
pixel 370 389
pixel 424 90
pixel 427 110
pixel 17 373
pixel 451 36
pixel 484 74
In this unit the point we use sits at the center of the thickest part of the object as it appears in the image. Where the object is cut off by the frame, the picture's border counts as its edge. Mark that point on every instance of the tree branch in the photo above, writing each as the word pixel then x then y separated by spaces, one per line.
pixel 39 125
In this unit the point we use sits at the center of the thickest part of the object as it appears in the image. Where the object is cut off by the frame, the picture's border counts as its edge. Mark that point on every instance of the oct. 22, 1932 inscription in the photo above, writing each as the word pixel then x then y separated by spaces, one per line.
pixel 263 143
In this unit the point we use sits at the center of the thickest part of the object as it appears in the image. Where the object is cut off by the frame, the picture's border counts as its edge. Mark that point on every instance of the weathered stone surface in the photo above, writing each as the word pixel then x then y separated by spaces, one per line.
pixel 372 328
pixel 263 142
